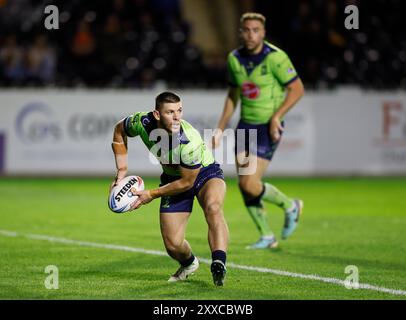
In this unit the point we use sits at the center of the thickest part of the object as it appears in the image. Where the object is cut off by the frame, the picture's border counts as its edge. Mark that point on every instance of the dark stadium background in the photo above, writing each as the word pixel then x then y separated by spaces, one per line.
pixel 137 43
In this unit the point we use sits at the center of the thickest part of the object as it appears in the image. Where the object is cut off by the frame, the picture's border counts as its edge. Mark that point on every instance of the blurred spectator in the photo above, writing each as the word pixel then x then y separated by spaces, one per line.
pixel 83 43
pixel 83 50
pixel 11 61
pixel 40 61
pixel 111 48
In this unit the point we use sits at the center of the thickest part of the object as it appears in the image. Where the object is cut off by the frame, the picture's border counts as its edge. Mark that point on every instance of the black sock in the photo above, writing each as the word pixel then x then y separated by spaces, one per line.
pixel 187 262
pixel 219 255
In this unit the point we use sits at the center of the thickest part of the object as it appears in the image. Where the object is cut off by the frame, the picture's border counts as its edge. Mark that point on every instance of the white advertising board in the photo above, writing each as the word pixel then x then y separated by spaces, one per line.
pixel 62 132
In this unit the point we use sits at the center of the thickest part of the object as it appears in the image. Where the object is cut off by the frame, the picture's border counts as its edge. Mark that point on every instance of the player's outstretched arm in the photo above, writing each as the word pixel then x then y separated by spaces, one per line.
pixel 295 91
pixel 229 108
pixel 188 177
pixel 120 150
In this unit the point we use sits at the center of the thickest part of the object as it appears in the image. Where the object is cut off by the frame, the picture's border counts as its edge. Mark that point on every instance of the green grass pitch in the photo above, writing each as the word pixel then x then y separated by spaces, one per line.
pixel 346 221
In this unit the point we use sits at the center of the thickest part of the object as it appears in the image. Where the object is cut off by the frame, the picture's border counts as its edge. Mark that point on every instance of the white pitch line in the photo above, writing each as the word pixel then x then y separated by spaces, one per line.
pixel 339 282
pixel 8 233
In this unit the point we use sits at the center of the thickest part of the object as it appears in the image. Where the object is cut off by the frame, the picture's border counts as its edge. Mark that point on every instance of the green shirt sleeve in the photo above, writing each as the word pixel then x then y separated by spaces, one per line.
pixel 282 68
pixel 133 125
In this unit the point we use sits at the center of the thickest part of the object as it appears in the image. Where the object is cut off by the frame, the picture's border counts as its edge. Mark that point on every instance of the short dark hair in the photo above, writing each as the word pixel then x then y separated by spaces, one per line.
pixel 166 97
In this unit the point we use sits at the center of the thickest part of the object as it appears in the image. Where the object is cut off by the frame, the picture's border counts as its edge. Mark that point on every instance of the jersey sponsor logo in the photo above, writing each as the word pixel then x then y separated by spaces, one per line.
pixel 145 121
pixel 250 90
pixel 291 70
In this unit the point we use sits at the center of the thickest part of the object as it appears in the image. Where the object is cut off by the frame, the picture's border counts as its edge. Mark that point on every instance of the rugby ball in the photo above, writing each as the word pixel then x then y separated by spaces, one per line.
pixel 122 195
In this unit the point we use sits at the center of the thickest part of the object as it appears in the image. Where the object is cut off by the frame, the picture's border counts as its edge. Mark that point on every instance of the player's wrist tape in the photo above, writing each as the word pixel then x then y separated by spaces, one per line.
pixel 119 147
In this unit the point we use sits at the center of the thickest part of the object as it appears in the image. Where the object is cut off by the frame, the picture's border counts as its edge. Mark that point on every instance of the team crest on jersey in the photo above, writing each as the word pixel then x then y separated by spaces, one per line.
pixel 250 90
pixel 263 70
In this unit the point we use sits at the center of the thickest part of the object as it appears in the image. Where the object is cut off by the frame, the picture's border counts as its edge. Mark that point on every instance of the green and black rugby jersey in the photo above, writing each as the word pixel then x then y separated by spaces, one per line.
pixel 185 148
pixel 261 79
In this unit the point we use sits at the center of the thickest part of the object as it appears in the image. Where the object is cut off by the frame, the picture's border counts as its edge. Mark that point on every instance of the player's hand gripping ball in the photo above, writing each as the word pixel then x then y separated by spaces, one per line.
pixel 122 195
